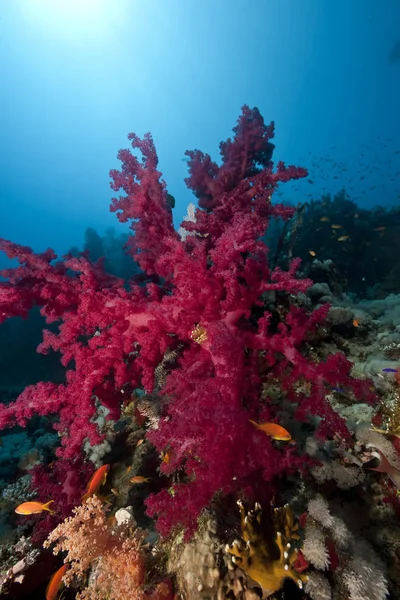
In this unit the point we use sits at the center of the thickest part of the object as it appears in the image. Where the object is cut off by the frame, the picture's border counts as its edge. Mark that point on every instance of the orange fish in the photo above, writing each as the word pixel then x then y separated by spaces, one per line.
pixel 34 507
pixel 312 252
pixel 55 583
pixel 98 479
pixel 337 226
pixel 275 431
pixel 165 457
pixel 139 479
pixel 140 442
pixel 343 238
pixel 355 323
pixel 112 521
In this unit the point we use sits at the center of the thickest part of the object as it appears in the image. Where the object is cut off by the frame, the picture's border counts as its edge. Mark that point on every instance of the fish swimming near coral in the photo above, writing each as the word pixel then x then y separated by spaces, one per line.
pixel 97 480
pixel 275 431
pixel 34 508
pixel 55 583
pixel 165 457
pixel 139 479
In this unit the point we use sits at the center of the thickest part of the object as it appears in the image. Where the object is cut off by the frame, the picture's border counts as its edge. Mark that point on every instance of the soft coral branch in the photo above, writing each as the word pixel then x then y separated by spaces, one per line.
pixel 144 205
pixel 210 308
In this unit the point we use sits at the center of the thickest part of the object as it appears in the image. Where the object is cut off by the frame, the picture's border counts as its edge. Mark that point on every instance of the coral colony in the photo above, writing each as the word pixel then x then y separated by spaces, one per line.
pixel 196 350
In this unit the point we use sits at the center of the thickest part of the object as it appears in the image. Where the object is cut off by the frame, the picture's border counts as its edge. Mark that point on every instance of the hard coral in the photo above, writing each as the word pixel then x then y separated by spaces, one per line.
pixel 268 562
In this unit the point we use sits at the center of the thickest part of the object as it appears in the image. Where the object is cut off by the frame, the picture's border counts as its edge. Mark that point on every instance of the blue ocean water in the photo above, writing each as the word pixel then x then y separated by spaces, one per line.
pixel 79 76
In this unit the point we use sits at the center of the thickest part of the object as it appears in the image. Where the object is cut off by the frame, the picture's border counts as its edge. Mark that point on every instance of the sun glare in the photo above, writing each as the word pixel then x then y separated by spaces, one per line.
pixel 73 20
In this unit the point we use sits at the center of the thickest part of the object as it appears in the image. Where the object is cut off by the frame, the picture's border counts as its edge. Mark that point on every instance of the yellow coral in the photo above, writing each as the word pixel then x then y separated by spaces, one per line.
pixel 199 333
pixel 391 416
pixel 267 563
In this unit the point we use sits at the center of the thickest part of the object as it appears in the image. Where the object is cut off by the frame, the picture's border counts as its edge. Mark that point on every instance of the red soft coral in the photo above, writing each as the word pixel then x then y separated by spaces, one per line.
pixel 210 308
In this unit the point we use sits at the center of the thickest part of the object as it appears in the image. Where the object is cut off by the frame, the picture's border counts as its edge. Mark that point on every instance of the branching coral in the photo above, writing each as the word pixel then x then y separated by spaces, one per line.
pixel 115 557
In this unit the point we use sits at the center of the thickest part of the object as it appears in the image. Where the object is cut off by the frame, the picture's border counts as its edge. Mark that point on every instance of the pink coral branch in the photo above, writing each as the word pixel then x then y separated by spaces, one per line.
pixel 111 339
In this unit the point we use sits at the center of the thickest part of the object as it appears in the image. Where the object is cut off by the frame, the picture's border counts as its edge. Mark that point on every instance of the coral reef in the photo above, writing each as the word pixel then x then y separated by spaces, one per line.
pixel 114 555
pixel 267 562
pixel 165 371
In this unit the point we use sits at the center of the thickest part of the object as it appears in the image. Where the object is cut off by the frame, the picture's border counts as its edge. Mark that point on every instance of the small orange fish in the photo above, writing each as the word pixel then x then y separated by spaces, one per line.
pixel 275 431
pixel 34 507
pixel 324 219
pixel 355 323
pixel 165 457
pixel 115 491
pixel 55 583
pixel 140 442
pixel 337 226
pixel 98 479
pixel 139 479
pixel 312 253
pixel 112 521
pixel 343 238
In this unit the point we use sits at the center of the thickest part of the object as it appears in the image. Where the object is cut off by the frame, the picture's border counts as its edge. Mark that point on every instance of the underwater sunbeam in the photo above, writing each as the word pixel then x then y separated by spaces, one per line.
pixel 72 20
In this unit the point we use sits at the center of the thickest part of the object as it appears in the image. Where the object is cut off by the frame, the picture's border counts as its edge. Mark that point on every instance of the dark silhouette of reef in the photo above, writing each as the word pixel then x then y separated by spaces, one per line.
pixel 354 250
pixel 110 248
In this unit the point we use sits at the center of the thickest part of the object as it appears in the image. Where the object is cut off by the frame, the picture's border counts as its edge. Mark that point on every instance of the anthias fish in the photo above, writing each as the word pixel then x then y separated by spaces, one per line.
pixel 97 480
pixel 34 507
pixel 275 431
pixel 139 479
pixel 55 583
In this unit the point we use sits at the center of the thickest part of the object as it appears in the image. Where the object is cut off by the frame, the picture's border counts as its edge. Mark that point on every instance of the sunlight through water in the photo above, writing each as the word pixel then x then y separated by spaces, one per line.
pixel 74 21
